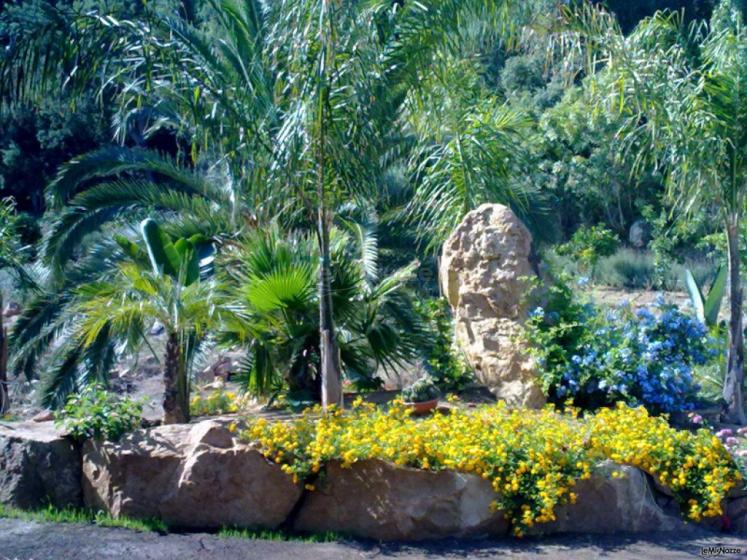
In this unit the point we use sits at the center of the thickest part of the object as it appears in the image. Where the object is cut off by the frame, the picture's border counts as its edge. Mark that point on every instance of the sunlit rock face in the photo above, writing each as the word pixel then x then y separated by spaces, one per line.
pixel 483 272
pixel 379 500
pixel 188 475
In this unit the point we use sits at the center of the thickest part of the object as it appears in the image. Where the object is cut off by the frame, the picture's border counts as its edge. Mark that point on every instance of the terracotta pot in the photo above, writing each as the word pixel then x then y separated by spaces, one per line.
pixel 422 407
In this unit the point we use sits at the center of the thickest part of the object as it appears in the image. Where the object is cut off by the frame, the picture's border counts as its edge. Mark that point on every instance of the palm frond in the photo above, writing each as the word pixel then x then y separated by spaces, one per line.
pixel 113 161
pixel 61 377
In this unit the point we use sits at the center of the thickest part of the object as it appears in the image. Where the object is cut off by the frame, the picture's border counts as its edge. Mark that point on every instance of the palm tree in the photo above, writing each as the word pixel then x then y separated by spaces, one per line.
pixel 476 160
pixel 11 258
pixel 12 253
pixel 682 93
pixel 161 283
pixel 271 290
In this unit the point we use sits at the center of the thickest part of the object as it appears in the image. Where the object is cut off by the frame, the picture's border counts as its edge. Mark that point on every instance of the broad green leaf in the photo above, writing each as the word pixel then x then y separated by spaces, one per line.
pixel 154 242
pixel 696 297
pixel 189 263
pixel 132 250
pixel 715 295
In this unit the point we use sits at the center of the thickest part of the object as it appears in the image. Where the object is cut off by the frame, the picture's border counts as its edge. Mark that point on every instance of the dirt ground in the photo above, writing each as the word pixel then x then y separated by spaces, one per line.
pixel 23 540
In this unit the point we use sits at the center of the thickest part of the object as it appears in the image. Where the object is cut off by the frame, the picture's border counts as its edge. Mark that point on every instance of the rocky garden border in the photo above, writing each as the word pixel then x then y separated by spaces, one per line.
pixel 199 476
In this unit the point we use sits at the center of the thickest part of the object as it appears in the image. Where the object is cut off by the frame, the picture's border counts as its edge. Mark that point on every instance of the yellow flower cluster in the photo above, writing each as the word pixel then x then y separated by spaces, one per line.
pixel 696 467
pixel 219 401
pixel 532 458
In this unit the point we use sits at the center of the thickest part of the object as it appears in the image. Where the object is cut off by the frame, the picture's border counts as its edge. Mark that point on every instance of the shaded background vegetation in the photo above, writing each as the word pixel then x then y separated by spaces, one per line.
pixel 559 169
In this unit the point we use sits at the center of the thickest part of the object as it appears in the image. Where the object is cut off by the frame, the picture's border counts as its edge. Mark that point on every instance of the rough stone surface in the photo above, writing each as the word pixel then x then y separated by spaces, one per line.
pixel 379 500
pixel 608 505
pixel 194 476
pixel 640 234
pixel 736 511
pixel 483 271
pixel 38 466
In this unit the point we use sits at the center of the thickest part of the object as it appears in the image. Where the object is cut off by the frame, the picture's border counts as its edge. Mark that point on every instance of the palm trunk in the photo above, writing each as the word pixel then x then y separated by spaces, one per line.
pixel 4 395
pixel 330 357
pixel 735 368
pixel 175 395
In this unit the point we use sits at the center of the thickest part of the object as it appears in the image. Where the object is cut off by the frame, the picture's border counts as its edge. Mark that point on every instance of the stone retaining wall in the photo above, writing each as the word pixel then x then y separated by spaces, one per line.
pixel 199 476
pixel 38 466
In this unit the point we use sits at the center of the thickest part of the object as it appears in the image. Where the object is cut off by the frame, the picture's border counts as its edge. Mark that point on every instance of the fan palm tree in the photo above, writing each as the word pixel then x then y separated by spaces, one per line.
pixel 272 293
pixel 682 92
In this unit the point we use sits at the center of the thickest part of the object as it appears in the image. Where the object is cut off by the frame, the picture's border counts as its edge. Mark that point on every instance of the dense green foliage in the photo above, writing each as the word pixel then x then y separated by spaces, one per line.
pixel 98 414
pixel 588 245
pixel 443 360
pixel 297 165
pixel 422 390
pixel 271 292
pixel 679 90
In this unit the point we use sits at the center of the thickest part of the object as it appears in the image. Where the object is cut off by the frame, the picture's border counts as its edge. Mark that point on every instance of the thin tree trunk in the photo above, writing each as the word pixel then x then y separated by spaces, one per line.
pixel 330 357
pixel 4 394
pixel 175 398
pixel 735 368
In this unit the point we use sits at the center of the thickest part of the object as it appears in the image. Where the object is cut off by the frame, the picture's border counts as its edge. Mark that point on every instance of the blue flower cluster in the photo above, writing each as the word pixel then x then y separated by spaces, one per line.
pixel 599 356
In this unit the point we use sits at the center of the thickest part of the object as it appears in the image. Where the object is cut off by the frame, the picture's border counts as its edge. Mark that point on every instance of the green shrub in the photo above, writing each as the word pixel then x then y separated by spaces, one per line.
pixel 96 413
pixel 443 361
pixel 424 389
pixel 217 402
pixel 532 458
pixel 588 245
pixel 637 270
pixel 627 268
pixel 596 356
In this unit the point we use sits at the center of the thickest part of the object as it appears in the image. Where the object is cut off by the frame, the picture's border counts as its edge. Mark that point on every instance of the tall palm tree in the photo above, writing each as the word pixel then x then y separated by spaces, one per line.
pixel 682 91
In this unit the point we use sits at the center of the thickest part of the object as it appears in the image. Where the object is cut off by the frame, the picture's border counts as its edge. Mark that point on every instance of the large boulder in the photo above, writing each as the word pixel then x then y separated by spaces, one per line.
pixel 483 272
pixel 615 499
pixel 195 476
pixel 379 500
pixel 39 466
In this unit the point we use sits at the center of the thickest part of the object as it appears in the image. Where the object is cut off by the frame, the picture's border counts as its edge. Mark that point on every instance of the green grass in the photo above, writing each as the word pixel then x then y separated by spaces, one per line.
pixel 632 269
pixel 55 515
pixel 85 516
pixel 279 535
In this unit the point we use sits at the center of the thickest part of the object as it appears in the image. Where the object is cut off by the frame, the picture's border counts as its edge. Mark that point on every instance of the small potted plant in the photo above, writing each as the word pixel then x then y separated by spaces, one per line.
pixel 421 396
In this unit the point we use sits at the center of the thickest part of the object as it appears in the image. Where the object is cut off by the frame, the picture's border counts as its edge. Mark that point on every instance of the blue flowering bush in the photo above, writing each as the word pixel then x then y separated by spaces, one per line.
pixel 597 356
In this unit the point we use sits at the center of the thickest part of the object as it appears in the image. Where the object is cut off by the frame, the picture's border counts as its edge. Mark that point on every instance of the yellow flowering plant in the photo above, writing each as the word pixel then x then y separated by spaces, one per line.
pixel 218 401
pixel 532 458
pixel 696 467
